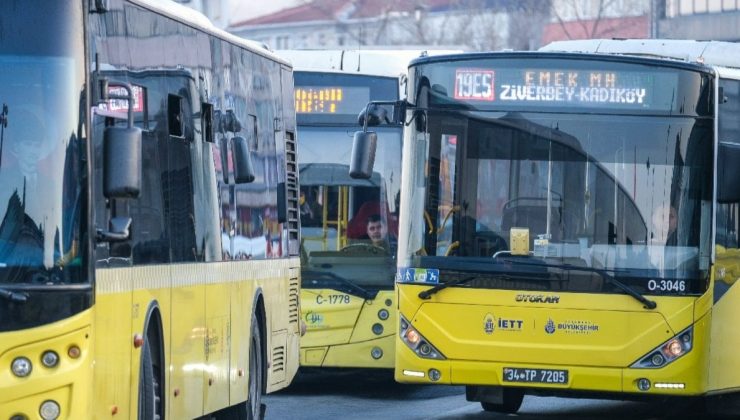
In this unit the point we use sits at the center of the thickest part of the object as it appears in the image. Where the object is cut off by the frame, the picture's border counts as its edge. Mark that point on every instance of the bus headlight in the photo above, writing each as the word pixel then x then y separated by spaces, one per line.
pixel 416 342
pixel 21 367
pixel 50 359
pixel 667 352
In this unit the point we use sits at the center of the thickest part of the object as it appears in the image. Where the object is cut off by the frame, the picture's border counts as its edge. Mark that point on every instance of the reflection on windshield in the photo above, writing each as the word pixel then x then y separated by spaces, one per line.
pixel 39 171
pixel 349 227
pixel 587 190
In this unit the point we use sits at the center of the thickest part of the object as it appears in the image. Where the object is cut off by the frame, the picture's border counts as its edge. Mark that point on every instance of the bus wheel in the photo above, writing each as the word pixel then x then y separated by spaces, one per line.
pixel 253 409
pixel 150 396
pixel 512 400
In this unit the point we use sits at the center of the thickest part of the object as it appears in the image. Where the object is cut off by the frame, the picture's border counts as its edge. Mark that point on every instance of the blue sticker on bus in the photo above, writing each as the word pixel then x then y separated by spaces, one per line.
pixel 417 275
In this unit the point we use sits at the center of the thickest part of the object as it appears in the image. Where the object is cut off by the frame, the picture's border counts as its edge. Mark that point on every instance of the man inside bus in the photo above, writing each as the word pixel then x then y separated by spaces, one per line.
pixel 377 231
pixel 375 236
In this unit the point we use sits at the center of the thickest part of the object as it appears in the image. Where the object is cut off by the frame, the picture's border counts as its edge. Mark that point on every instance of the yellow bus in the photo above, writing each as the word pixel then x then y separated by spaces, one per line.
pixel 347 296
pixel 149 238
pixel 569 224
pixel 347 279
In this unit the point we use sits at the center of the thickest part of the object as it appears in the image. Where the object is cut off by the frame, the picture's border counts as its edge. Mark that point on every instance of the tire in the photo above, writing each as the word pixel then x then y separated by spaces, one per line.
pixel 253 406
pixel 512 402
pixel 149 390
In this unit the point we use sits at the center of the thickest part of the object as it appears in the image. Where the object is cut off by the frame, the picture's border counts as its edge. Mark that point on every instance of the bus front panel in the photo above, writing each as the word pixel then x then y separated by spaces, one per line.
pixel 556 232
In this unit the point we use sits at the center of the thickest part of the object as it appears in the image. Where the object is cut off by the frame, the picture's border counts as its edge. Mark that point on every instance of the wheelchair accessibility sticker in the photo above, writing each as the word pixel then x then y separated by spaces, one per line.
pixel 417 275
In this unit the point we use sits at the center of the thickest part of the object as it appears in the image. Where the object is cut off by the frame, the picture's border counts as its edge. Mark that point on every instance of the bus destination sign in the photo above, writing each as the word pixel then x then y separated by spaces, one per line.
pixel 330 99
pixel 623 89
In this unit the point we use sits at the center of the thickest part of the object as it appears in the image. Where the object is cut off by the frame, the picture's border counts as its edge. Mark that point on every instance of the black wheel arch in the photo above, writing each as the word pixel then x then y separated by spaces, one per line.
pixel 259 310
pixel 154 335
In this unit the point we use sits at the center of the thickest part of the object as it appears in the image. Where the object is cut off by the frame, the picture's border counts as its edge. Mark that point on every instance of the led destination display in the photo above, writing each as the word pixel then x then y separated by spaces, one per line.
pixel 643 90
pixel 330 99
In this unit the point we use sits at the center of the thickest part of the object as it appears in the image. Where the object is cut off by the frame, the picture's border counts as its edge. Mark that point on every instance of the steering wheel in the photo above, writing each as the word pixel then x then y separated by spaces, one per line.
pixel 366 247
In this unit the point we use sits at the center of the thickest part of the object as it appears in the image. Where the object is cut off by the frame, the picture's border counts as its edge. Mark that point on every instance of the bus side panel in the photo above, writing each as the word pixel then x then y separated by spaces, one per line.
pixel 242 297
pixel 282 326
pixel 113 342
pixel 217 341
pixel 293 341
pixel 271 278
pixel 276 292
pixel 724 360
pixel 186 341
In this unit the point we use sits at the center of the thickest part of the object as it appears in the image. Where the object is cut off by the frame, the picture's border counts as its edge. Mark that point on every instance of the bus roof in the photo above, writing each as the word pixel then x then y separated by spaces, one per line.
pixel 198 20
pixel 379 62
pixel 565 54
pixel 712 53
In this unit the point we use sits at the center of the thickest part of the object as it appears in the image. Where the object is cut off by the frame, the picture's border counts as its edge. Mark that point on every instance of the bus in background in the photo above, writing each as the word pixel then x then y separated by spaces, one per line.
pixel 569 224
pixel 149 242
pixel 347 298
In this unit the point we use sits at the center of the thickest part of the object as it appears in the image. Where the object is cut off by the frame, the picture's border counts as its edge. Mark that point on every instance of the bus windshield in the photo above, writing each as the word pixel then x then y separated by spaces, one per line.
pixel 348 227
pixel 629 194
pixel 40 152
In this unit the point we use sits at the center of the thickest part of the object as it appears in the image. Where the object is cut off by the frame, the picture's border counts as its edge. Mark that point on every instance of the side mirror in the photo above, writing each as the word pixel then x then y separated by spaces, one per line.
pixel 362 161
pixel 728 172
pixel 122 160
pixel 243 169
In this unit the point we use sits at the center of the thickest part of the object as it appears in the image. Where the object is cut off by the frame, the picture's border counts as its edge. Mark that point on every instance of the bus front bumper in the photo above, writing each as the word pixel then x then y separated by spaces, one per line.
pixel 64 387
pixel 683 377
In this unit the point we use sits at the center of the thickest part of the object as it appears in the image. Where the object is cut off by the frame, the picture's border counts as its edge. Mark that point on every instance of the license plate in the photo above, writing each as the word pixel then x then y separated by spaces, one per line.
pixel 539 376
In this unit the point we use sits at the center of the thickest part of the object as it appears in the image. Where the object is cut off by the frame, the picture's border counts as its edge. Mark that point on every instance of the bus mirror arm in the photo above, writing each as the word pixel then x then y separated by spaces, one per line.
pixel 374 115
pixel 119 230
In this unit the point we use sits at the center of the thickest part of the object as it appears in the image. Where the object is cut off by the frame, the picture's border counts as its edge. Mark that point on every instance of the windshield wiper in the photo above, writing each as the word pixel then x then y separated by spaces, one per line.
pixel 13 296
pixel 425 294
pixel 347 286
pixel 604 273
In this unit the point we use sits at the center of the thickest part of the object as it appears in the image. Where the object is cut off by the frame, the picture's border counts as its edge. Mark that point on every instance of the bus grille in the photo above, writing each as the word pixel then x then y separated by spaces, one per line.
pixel 293 296
pixel 291 193
pixel 278 359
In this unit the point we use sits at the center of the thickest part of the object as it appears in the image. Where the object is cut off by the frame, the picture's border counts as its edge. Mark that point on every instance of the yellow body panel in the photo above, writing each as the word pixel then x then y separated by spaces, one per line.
pixel 596 337
pixel 724 363
pixel 206 313
pixel 340 329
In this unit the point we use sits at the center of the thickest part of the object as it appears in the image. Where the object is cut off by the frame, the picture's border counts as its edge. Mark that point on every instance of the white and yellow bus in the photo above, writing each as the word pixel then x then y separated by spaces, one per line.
pixel 569 223
pixel 149 236
pixel 347 294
